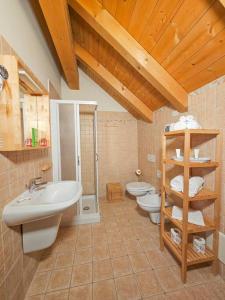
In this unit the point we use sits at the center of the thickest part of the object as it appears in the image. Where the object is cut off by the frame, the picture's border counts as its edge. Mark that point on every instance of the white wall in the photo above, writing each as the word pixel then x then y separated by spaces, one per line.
pixel 89 90
pixel 21 30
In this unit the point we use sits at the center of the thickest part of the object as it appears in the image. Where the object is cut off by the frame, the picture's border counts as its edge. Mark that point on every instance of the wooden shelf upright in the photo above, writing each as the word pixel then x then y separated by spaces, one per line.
pixel 184 252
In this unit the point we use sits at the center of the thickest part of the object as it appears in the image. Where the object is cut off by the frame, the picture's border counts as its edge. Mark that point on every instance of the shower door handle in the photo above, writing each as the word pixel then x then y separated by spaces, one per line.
pixel 96 157
pixel 78 160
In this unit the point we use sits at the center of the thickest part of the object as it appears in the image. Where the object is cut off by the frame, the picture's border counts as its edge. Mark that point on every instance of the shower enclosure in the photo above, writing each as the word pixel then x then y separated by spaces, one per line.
pixel 74 154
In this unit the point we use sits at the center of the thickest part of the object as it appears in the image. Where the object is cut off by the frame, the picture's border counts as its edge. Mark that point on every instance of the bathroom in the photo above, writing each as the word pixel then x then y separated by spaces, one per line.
pixel 103 249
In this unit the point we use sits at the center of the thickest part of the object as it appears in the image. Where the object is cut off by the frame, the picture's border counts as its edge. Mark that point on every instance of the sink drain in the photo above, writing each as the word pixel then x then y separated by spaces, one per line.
pixel 86 207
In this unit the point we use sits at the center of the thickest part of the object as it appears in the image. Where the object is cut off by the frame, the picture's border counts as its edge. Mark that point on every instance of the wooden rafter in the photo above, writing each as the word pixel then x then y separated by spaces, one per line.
pixel 222 2
pixel 99 19
pixel 57 18
pixel 128 97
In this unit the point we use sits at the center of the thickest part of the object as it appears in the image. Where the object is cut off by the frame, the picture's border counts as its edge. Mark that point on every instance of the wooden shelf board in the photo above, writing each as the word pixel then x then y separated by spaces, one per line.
pixel 191 228
pixel 204 194
pixel 211 164
pixel 175 133
pixel 193 257
pixel 23 149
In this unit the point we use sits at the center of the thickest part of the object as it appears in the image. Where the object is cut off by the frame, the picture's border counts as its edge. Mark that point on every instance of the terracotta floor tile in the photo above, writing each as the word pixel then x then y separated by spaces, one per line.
pixel 101 252
pixel 157 258
pixel 180 294
pixel 81 274
pixel 39 283
pixel 147 244
pixel 157 297
pixel 83 256
pixel 60 279
pixel 132 246
pixel 59 295
pixel 83 292
pixel 117 249
pixel 104 290
pixel 83 242
pixel 200 292
pixel 65 246
pixel 65 259
pixel 127 288
pixel 148 283
pixel 36 297
pixel 167 279
pixel 102 270
pixel 139 262
pixel 114 236
pixel 121 266
pixel 47 263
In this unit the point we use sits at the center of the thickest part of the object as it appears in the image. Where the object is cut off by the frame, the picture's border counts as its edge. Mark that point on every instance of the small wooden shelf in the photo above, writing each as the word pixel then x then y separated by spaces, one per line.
pixel 204 194
pixel 211 164
pixel 24 149
pixel 191 228
pixel 193 257
pixel 172 134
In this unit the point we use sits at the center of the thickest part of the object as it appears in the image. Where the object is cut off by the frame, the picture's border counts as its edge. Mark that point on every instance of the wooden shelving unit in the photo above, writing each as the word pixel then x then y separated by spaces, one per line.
pixel 184 252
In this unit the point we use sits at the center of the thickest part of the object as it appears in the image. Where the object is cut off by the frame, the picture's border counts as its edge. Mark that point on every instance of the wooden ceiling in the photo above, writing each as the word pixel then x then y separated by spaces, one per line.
pixel 150 52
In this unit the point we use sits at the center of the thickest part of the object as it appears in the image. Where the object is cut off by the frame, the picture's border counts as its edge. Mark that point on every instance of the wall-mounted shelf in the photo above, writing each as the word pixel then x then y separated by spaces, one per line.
pixel 184 251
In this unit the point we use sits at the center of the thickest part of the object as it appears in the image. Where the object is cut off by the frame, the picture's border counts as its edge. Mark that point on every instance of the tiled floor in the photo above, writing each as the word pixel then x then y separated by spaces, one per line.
pixel 117 259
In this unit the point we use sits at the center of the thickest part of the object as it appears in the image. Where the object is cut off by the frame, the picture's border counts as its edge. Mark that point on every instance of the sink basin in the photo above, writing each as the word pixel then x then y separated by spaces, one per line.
pixel 40 212
pixel 53 199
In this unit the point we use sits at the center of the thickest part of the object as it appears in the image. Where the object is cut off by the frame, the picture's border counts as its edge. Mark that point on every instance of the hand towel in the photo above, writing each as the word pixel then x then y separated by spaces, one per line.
pixel 194 216
pixel 195 184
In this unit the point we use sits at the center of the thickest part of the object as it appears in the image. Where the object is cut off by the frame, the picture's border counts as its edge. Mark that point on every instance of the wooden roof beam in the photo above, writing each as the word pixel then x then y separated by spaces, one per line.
pixel 222 2
pixel 57 18
pixel 106 26
pixel 128 97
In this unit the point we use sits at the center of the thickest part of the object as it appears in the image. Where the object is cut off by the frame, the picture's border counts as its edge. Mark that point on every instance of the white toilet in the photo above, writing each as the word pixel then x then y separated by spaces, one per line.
pixel 146 198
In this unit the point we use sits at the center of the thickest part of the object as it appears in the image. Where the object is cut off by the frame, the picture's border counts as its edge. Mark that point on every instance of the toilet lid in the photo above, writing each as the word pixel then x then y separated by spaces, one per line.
pixel 139 186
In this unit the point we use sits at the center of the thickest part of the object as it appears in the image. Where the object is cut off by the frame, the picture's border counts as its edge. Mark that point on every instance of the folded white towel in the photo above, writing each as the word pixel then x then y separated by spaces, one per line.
pixel 194 216
pixel 195 184
pixel 185 122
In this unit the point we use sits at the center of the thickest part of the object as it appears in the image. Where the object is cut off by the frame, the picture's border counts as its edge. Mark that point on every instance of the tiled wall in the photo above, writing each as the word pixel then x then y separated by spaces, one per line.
pixel 208 107
pixel 16 168
pixel 117 148
pixel 87 153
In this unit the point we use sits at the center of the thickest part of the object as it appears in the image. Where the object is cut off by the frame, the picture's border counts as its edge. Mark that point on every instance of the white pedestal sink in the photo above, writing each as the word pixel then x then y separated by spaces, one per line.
pixel 40 212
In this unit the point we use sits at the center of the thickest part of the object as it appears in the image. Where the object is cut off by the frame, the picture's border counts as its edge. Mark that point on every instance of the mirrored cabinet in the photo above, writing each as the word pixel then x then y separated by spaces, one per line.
pixel 24 109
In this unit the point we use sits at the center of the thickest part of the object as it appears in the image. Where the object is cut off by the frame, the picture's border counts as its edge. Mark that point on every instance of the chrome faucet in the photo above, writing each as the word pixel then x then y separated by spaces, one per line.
pixel 34 183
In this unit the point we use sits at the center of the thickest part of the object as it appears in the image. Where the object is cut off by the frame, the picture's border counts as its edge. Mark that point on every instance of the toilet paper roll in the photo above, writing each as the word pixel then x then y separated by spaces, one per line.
pixel 199 244
pixel 138 172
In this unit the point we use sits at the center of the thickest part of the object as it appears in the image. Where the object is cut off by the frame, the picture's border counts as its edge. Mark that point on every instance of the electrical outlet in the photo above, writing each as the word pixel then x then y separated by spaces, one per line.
pixel 151 158
pixel 158 174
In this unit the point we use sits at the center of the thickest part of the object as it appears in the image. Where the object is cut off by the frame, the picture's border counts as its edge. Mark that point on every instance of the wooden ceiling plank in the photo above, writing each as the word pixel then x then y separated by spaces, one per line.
pixel 211 23
pixel 124 12
pixel 132 51
pixel 183 21
pixel 117 86
pixel 207 55
pixel 57 18
pixel 111 6
pixel 222 2
pixel 161 17
pixel 213 72
pixel 140 17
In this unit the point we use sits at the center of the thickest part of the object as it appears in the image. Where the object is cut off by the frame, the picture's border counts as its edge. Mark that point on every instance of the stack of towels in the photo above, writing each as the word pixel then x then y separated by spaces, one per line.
pixel 195 184
pixel 194 216
pixel 185 122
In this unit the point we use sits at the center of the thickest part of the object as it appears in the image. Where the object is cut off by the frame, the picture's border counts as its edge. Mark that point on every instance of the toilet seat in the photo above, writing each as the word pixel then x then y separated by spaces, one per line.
pixel 139 188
